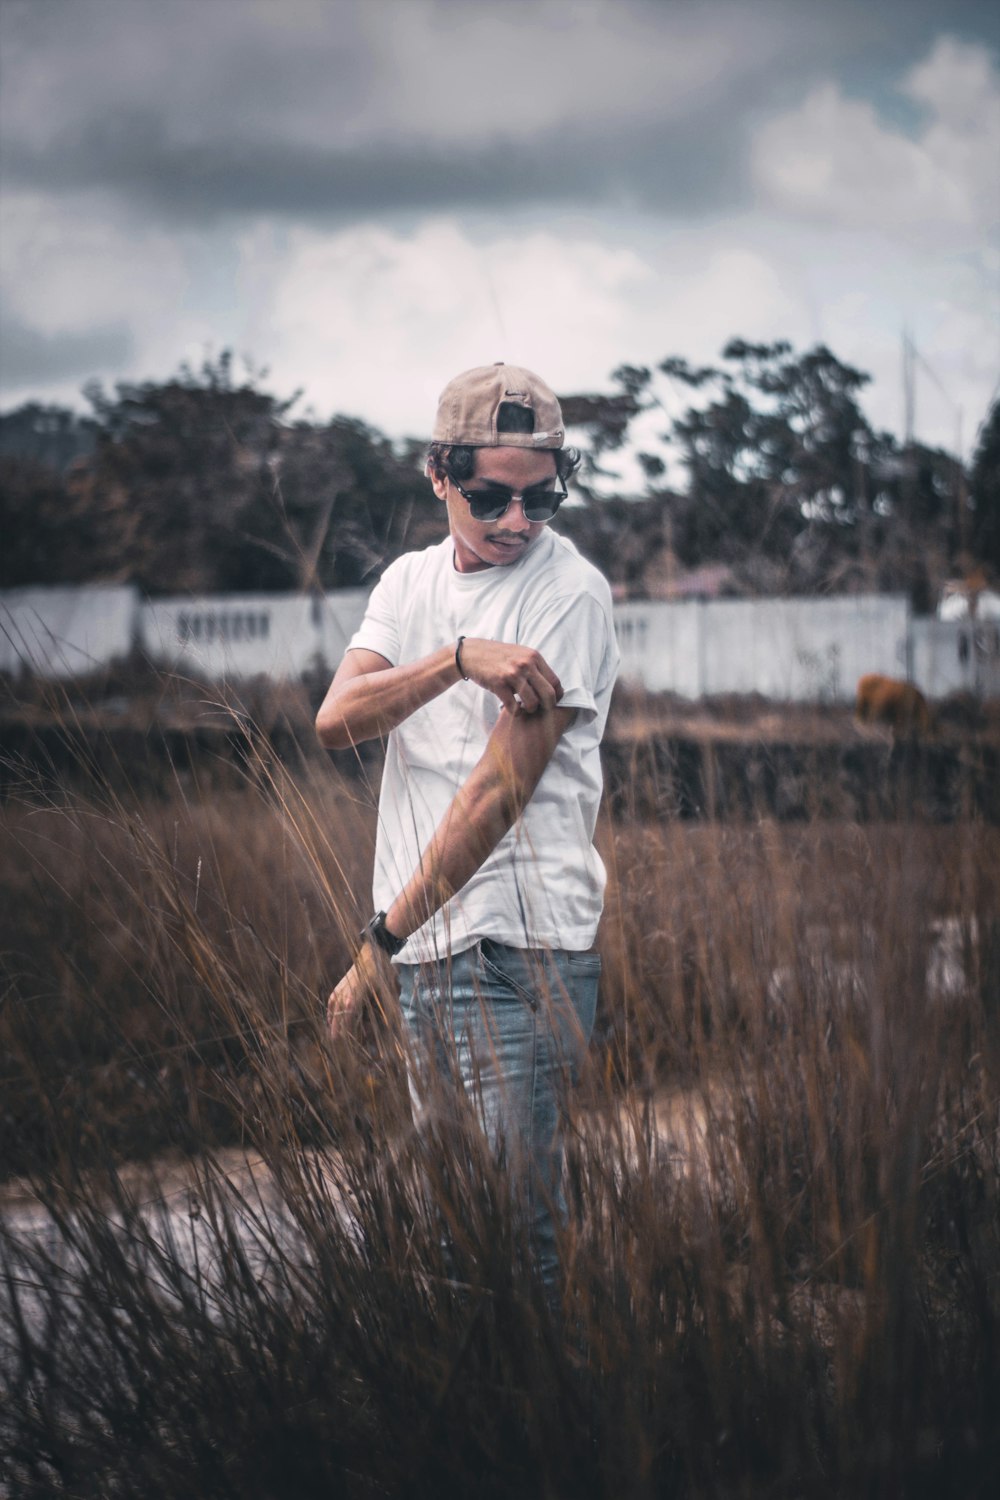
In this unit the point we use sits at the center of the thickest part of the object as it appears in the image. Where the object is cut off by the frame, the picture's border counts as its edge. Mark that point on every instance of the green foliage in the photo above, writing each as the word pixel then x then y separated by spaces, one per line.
pixel 33 509
pixel 50 435
pixel 984 489
pixel 204 483
pixel 42 450
pixel 225 492
pixel 765 464
pixel 787 483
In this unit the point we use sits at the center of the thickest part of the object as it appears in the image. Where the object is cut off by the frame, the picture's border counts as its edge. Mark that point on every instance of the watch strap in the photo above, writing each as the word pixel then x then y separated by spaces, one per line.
pixel 378 933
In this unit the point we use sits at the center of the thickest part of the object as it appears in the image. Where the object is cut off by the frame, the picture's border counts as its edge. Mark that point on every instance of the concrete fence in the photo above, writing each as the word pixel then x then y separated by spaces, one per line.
pixel 66 631
pixel 239 635
pixel 791 650
pixel 956 656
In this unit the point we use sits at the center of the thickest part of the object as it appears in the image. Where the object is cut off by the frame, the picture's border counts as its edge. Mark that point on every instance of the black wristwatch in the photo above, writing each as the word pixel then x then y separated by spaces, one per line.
pixel 378 933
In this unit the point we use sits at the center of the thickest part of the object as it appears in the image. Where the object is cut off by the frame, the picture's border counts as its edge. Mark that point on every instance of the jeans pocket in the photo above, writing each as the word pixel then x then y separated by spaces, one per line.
pixel 587 962
pixel 496 963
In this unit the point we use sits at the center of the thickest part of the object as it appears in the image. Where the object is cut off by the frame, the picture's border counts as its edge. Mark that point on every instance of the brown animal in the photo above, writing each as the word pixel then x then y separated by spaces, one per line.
pixel 898 705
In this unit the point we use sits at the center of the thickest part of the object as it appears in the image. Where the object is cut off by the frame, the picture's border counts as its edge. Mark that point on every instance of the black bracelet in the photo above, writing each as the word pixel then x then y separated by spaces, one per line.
pixel 458 660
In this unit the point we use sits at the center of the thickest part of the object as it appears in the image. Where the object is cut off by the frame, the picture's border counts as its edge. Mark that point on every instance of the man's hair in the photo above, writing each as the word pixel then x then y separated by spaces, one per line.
pixel 457 460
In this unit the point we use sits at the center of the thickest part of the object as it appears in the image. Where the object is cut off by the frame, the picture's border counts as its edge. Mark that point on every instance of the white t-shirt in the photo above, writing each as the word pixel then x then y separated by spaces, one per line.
pixel 543 885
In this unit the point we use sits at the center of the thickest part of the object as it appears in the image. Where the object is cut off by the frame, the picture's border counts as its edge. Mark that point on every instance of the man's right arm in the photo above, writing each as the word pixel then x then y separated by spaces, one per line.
pixel 368 696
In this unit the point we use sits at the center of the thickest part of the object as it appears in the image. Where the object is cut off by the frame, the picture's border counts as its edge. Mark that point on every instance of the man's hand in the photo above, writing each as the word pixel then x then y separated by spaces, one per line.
pixel 363 981
pixel 519 676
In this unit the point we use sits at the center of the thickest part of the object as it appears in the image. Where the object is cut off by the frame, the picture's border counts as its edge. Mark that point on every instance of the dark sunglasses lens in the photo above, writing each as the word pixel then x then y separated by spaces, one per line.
pixel 487 507
pixel 543 507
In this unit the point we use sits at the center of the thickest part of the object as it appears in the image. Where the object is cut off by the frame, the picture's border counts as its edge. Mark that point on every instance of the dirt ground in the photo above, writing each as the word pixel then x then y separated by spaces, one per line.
pixel 142 701
pixel 740 719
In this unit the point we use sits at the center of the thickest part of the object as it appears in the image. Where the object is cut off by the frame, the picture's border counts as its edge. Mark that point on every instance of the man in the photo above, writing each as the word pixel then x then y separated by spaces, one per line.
pixel 488 660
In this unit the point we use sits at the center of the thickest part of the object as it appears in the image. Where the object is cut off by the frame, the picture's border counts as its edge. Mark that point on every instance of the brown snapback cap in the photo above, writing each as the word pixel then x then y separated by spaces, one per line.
pixel 467 410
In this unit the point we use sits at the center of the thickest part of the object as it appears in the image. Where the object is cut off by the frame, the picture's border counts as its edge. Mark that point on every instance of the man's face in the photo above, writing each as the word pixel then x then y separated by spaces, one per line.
pixel 496 544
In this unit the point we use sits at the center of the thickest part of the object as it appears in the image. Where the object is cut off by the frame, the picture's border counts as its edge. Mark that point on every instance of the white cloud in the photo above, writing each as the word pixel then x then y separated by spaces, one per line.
pixel 834 160
pixel 958 83
pixel 896 232
pixel 65 266
pixel 70 269
pixel 374 322
pixel 723 285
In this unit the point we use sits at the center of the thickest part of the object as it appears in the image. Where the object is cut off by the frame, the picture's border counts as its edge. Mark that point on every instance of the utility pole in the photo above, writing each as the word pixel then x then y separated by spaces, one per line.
pixel 909 388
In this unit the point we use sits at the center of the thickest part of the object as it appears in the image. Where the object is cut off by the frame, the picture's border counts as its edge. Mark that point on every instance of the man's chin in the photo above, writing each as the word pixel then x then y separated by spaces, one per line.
pixel 509 551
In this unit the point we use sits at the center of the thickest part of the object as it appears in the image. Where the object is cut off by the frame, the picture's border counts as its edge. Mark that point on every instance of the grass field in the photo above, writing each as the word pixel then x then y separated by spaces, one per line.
pixel 783 1263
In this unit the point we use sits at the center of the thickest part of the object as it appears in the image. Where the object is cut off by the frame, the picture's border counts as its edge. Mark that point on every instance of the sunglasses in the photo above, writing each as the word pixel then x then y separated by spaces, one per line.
pixel 489 505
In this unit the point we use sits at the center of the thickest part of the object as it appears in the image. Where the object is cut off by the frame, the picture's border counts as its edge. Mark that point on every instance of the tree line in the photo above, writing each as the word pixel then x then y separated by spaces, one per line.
pixel 762 470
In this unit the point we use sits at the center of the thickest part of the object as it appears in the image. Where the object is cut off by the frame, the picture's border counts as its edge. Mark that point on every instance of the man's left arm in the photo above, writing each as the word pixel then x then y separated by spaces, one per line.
pixel 484 809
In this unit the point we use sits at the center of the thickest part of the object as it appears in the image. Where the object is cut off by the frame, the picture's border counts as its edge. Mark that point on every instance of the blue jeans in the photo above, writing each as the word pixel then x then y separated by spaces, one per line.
pixel 505 1029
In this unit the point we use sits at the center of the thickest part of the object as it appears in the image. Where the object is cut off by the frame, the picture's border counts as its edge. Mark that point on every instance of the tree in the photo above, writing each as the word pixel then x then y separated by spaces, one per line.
pixel 344 503
pixel 914 527
pixel 53 436
pixel 41 452
pixel 208 485
pixel 984 494
pixel 775 460
pixel 178 468
pixel 786 481
pixel 34 504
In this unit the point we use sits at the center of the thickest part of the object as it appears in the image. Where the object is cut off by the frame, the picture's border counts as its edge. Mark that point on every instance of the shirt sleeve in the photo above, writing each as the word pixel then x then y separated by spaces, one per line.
pixel 575 635
pixel 379 630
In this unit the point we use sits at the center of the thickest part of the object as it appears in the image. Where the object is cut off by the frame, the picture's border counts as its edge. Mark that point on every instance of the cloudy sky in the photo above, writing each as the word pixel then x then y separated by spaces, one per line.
pixel 366 196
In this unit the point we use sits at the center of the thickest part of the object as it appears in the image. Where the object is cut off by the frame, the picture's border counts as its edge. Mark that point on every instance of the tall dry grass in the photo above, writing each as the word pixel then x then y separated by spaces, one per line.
pixel 782 1265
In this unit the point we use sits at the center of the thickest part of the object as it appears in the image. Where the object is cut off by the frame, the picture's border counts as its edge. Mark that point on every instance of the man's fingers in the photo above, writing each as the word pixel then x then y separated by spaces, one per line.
pixel 544 683
pixel 342 1022
pixel 364 985
pixel 528 696
pixel 550 677
pixel 549 688
pixel 336 1014
pixel 538 668
pixel 539 691
pixel 519 676
pixel 344 1003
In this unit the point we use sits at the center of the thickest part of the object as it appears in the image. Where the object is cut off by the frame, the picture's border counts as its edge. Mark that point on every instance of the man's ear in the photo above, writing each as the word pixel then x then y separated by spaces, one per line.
pixel 439 483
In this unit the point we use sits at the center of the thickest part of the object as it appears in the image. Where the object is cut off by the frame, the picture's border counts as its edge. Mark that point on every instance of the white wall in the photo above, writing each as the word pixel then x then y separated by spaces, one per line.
pixel 241 635
pixel 952 656
pixel 66 631
pixel 661 645
pixel 343 612
pixel 793 650
pixel 810 650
